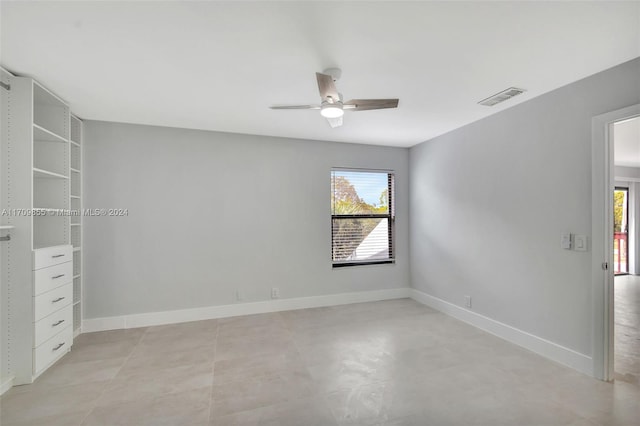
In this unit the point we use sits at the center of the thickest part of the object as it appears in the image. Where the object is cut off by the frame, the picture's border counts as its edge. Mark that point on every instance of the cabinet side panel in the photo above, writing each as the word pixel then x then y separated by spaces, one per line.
pixel 4 331
pixel 17 200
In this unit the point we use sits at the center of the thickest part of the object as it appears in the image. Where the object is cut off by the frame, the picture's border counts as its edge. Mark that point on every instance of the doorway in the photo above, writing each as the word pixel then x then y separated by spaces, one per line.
pixel 626 285
pixel 620 230
pixel 606 175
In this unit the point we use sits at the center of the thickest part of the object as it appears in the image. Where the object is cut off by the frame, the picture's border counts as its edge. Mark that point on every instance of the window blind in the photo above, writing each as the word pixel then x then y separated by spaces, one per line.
pixel 362 217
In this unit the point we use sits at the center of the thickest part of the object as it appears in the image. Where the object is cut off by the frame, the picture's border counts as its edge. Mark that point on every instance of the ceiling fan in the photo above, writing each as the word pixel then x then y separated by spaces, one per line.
pixel 332 106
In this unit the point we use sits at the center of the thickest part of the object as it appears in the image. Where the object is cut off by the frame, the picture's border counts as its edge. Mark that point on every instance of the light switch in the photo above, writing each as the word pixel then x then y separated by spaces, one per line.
pixel 580 242
pixel 565 241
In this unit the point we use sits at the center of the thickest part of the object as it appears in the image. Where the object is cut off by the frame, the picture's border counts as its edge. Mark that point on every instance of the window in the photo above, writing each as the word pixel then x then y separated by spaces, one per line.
pixel 362 217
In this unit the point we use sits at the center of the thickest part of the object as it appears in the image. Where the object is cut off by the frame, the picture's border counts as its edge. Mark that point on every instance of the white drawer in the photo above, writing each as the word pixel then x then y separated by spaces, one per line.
pixel 52 301
pixel 50 325
pixel 51 350
pixel 46 279
pixel 49 256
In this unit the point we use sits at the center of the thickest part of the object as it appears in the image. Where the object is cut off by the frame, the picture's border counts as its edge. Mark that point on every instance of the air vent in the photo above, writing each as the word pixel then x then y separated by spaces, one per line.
pixel 502 96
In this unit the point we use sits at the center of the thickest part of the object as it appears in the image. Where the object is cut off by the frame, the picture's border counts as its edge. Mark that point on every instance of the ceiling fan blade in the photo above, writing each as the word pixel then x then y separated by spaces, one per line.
pixel 367 104
pixel 326 87
pixel 295 107
pixel 335 122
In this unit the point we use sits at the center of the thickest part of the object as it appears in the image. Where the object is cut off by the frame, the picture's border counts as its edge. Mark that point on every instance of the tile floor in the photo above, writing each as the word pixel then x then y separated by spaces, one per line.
pixel 627 329
pixel 383 363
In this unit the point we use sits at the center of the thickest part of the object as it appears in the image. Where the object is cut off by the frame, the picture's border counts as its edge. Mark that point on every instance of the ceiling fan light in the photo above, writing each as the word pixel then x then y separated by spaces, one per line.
pixel 331 111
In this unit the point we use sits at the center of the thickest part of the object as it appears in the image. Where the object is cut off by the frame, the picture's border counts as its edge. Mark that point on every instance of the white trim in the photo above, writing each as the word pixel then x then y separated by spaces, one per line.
pixel 223 311
pixel 361 170
pixel 6 385
pixel 602 181
pixel 553 351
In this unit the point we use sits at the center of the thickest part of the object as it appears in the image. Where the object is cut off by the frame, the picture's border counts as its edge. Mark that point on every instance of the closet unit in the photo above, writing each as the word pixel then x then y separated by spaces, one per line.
pixel 75 139
pixel 41 168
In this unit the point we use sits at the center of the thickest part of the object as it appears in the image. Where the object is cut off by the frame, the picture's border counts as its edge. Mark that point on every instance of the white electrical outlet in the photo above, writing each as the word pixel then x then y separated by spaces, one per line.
pixel 275 293
pixel 467 301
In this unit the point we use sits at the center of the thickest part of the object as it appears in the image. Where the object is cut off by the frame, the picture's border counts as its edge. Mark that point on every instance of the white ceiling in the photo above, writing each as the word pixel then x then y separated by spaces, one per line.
pixel 626 137
pixel 219 65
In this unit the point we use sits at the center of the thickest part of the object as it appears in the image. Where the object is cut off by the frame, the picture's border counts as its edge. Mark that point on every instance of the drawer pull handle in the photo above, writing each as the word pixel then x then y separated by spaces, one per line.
pixel 58 299
pixel 57 276
pixel 57 324
pixel 57 255
pixel 59 346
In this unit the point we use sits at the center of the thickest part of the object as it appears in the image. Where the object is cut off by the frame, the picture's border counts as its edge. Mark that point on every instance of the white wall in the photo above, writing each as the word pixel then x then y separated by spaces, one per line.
pixel 210 213
pixel 623 173
pixel 489 201
pixel 626 136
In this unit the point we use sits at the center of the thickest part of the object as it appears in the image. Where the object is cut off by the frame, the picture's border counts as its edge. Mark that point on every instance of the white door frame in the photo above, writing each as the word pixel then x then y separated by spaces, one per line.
pixel 602 183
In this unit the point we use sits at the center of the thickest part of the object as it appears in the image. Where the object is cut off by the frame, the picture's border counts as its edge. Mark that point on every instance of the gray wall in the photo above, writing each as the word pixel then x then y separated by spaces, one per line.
pixel 489 201
pixel 210 213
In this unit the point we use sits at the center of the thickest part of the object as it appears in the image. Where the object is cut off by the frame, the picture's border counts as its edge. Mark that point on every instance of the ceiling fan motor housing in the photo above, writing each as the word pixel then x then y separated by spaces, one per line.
pixel 335 73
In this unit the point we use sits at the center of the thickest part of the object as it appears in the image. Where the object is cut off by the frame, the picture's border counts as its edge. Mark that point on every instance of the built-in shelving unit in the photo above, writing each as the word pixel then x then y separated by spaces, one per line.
pixel 75 200
pixel 44 183
pixel 51 168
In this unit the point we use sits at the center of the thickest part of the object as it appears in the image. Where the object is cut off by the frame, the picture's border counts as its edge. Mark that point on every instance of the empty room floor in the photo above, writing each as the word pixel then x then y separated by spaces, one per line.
pixel 381 363
pixel 627 328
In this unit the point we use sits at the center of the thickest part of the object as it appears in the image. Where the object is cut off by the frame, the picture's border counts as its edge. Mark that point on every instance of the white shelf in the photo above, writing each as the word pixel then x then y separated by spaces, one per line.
pixel 75 303
pixel 42 134
pixel 3 227
pixel 77 248
pixel 75 197
pixel 44 246
pixel 76 276
pixel 74 170
pixel 75 143
pixel 45 174
pixel 76 224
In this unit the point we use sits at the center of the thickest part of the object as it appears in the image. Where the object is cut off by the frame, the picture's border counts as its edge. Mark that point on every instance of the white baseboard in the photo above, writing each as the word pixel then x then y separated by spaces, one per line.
pixel 553 351
pixel 222 311
pixel 6 384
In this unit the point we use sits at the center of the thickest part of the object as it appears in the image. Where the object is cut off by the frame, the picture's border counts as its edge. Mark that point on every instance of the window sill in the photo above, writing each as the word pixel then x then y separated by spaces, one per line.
pixel 373 262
